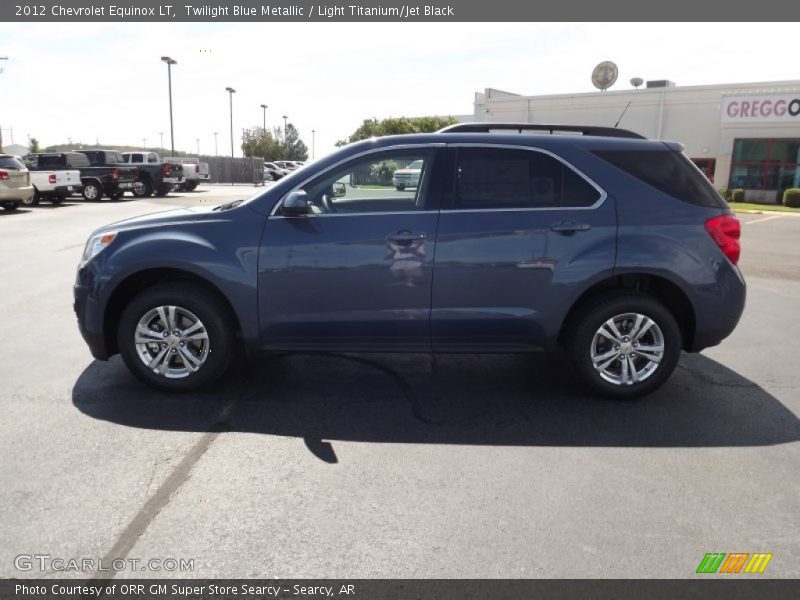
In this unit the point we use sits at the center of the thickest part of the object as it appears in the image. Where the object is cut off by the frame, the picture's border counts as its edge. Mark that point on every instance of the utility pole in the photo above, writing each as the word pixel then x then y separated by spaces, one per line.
pixel 161 135
pixel 144 143
pixel 170 62
pixel 264 107
pixel 215 143
pixel 284 127
pixel 231 92
pixel 198 145
pixel 313 143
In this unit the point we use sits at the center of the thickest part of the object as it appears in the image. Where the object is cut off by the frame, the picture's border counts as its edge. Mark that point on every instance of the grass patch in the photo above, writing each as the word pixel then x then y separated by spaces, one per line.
pixel 764 207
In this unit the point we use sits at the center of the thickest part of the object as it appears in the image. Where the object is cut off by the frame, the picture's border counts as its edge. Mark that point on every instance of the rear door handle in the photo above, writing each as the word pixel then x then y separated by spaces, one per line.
pixel 569 226
pixel 406 237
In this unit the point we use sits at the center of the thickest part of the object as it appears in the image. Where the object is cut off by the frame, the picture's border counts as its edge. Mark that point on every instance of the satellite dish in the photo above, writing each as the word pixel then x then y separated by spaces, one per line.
pixel 605 75
pixel 636 82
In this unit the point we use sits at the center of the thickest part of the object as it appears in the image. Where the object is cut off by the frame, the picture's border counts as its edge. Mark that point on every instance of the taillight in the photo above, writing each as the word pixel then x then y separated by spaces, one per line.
pixel 3 175
pixel 115 174
pixel 725 230
pixel 52 178
pixel 166 169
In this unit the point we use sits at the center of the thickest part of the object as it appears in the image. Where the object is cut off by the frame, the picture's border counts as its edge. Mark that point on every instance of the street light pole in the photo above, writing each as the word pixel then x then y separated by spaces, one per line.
pixel 216 153
pixel 144 143
pixel 265 107
pixel 313 143
pixel 284 127
pixel 198 145
pixel 231 92
pixel 161 135
pixel 170 62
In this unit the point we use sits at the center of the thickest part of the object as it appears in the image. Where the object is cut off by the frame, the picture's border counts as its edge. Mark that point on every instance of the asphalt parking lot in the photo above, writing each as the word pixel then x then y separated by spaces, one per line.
pixel 391 466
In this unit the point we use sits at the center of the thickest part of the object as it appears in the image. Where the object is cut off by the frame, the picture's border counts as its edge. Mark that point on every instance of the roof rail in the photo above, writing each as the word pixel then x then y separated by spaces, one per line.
pixel 520 127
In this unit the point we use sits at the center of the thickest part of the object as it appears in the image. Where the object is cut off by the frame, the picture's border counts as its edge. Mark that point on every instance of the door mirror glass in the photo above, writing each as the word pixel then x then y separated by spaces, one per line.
pixel 295 204
pixel 339 189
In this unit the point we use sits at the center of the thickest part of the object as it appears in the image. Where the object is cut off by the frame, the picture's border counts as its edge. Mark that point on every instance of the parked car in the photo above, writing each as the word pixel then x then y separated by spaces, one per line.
pixel 610 246
pixel 155 176
pixel 287 165
pixel 274 171
pixel 194 172
pixel 407 177
pixel 98 181
pixel 15 182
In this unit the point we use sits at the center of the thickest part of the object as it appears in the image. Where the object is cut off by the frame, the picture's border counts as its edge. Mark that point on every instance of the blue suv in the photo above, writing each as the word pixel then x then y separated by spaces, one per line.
pixel 609 247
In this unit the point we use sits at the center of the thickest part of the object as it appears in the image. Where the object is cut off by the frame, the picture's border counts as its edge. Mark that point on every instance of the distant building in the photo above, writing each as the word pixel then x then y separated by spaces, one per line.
pixel 15 149
pixel 742 135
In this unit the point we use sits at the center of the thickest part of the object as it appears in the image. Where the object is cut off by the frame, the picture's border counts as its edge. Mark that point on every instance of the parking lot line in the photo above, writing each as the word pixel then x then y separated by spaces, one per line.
pixel 764 219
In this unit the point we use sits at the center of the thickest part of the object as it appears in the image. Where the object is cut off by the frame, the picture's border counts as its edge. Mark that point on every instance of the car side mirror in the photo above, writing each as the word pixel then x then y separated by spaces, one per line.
pixel 295 204
pixel 339 189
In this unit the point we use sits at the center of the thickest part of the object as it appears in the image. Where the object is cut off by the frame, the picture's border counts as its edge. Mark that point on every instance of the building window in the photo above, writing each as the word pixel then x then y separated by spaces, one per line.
pixel 765 164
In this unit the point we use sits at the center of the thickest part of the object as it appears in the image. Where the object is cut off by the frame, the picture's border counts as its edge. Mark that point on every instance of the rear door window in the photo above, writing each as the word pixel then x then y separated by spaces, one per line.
pixel 500 178
pixel 669 172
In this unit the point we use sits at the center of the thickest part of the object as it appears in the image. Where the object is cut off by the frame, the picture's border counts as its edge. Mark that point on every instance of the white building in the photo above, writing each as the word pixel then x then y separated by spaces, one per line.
pixel 743 135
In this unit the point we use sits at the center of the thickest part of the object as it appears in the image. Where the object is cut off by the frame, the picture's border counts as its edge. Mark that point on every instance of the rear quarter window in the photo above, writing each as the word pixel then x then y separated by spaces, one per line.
pixel 667 171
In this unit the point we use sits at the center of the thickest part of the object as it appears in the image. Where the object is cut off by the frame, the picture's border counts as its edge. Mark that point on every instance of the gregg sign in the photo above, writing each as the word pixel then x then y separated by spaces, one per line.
pixel 761 109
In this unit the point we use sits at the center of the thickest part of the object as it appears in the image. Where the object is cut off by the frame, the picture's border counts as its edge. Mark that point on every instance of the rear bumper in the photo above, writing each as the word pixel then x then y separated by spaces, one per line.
pixel 719 308
pixel 20 194
pixel 117 186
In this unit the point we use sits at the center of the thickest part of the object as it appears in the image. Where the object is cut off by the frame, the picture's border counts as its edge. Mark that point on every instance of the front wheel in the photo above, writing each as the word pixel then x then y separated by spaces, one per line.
pixel 163 189
pixel 623 346
pixel 176 337
pixel 33 200
pixel 400 187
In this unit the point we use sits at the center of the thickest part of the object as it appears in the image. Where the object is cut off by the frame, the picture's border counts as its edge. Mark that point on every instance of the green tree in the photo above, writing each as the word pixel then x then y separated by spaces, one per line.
pixel 273 145
pixel 394 126
pixel 293 147
pixel 34 146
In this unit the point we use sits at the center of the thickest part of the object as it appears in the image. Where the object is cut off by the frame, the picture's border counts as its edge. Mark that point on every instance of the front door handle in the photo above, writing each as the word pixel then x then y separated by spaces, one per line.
pixel 405 237
pixel 569 226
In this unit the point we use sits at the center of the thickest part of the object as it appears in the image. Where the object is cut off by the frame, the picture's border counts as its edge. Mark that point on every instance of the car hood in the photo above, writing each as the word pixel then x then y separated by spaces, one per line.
pixel 167 217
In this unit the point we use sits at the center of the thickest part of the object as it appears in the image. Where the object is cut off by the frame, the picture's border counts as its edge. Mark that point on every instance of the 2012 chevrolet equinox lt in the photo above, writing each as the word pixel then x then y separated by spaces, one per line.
pixel 611 246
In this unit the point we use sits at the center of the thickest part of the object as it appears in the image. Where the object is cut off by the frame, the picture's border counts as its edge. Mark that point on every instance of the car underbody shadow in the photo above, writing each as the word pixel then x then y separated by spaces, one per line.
pixel 502 400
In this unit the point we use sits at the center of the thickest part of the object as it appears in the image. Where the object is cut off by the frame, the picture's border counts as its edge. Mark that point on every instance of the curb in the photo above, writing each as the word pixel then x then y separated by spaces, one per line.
pixel 750 211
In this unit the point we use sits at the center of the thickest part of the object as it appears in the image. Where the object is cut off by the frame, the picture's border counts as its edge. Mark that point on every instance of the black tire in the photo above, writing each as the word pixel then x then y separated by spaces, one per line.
pixel 10 205
pixel 190 186
pixel 214 315
pixel 116 196
pixel 142 188
pixel 400 187
pixel 586 322
pixel 57 199
pixel 35 199
pixel 163 189
pixel 93 191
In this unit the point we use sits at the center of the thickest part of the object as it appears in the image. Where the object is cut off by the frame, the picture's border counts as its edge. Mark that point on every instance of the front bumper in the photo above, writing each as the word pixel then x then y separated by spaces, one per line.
pixel 95 340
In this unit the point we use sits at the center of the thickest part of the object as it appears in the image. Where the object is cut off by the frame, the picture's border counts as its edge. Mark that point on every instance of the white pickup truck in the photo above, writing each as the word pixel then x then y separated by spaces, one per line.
pixel 194 171
pixel 53 186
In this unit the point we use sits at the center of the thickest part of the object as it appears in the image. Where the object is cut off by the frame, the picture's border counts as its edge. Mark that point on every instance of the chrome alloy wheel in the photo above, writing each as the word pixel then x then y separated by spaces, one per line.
pixel 171 341
pixel 627 349
pixel 92 192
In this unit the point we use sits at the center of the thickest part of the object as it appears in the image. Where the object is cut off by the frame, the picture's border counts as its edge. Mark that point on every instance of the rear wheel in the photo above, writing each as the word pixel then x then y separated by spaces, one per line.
pixel 190 186
pixel 33 200
pixel 58 199
pixel 163 189
pixel 400 187
pixel 623 345
pixel 176 337
pixel 10 205
pixel 116 196
pixel 93 191
pixel 142 188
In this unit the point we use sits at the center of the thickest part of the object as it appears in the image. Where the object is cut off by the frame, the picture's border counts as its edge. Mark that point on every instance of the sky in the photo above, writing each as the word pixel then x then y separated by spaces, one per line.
pixel 105 82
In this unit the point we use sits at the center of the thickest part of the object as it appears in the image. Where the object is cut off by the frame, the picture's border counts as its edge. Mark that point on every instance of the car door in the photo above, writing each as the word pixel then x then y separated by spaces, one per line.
pixel 356 271
pixel 520 232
